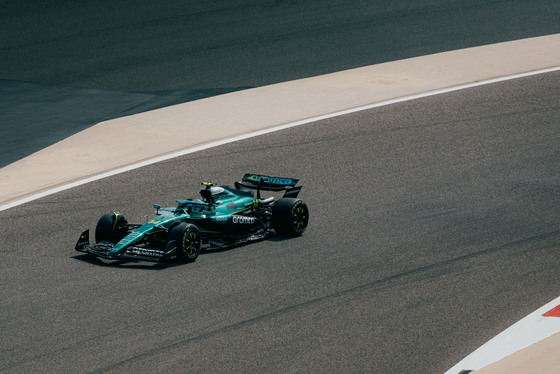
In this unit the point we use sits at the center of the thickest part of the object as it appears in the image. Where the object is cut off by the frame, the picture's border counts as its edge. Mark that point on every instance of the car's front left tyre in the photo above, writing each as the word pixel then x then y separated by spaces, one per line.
pixel 188 241
pixel 111 228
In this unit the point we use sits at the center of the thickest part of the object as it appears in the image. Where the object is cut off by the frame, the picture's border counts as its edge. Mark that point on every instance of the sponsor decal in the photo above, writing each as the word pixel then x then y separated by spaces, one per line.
pixel 292 192
pixel 242 220
pixel 251 204
pixel 145 251
pixel 270 180
pixel 104 246
pixel 249 239
pixel 242 241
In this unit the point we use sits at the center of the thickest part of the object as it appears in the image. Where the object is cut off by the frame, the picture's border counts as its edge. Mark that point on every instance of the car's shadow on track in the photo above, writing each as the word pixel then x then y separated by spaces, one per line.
pixel 278 238
pixel 128 263
pixel 161 265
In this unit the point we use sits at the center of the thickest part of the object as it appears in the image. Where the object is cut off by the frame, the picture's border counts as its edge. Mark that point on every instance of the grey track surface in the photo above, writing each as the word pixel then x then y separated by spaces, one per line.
pixel 68 65
pixel 168 45
pixel 434 226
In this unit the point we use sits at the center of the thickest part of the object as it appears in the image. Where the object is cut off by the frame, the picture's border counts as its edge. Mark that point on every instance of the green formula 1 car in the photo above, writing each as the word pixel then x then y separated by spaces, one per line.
pixel 224 217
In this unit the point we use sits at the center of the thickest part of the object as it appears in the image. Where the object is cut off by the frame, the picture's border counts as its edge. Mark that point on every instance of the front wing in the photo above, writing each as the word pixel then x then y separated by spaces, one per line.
pixel 104 250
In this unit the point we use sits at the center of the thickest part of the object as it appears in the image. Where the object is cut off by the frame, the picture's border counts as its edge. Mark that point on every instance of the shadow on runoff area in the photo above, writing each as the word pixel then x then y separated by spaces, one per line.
pixel 35 116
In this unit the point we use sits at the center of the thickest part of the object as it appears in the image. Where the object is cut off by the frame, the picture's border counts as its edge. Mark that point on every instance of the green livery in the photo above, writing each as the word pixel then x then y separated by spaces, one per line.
pixel 222 218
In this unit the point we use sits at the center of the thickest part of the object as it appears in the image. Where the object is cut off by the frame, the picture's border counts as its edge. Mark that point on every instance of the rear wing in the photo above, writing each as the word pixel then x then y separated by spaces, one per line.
pixel 265 183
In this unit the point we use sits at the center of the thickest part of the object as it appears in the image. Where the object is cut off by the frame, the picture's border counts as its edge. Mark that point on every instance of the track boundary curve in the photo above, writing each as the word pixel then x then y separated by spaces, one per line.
pixel 265 131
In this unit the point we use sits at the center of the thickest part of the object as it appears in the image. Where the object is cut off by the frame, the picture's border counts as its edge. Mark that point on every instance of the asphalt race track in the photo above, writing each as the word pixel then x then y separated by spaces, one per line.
pixel 172 45
pixel 434 226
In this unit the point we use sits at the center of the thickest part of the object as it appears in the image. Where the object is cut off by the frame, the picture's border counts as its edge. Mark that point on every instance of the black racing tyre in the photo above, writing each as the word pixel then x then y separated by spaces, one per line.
pixel 188 241
pixel 290 216
pixel 111 228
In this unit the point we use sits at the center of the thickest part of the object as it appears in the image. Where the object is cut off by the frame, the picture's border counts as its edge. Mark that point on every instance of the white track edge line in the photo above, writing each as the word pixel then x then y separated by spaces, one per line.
pixel 267 131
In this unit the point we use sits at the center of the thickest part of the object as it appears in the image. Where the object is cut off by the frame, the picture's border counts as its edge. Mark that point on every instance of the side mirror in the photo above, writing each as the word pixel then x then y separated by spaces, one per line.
pixel 157 208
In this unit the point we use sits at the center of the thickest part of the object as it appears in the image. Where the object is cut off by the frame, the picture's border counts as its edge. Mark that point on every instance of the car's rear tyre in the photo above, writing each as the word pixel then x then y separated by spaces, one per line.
pixel 290 216
pixel 111 228
pixel 188 241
